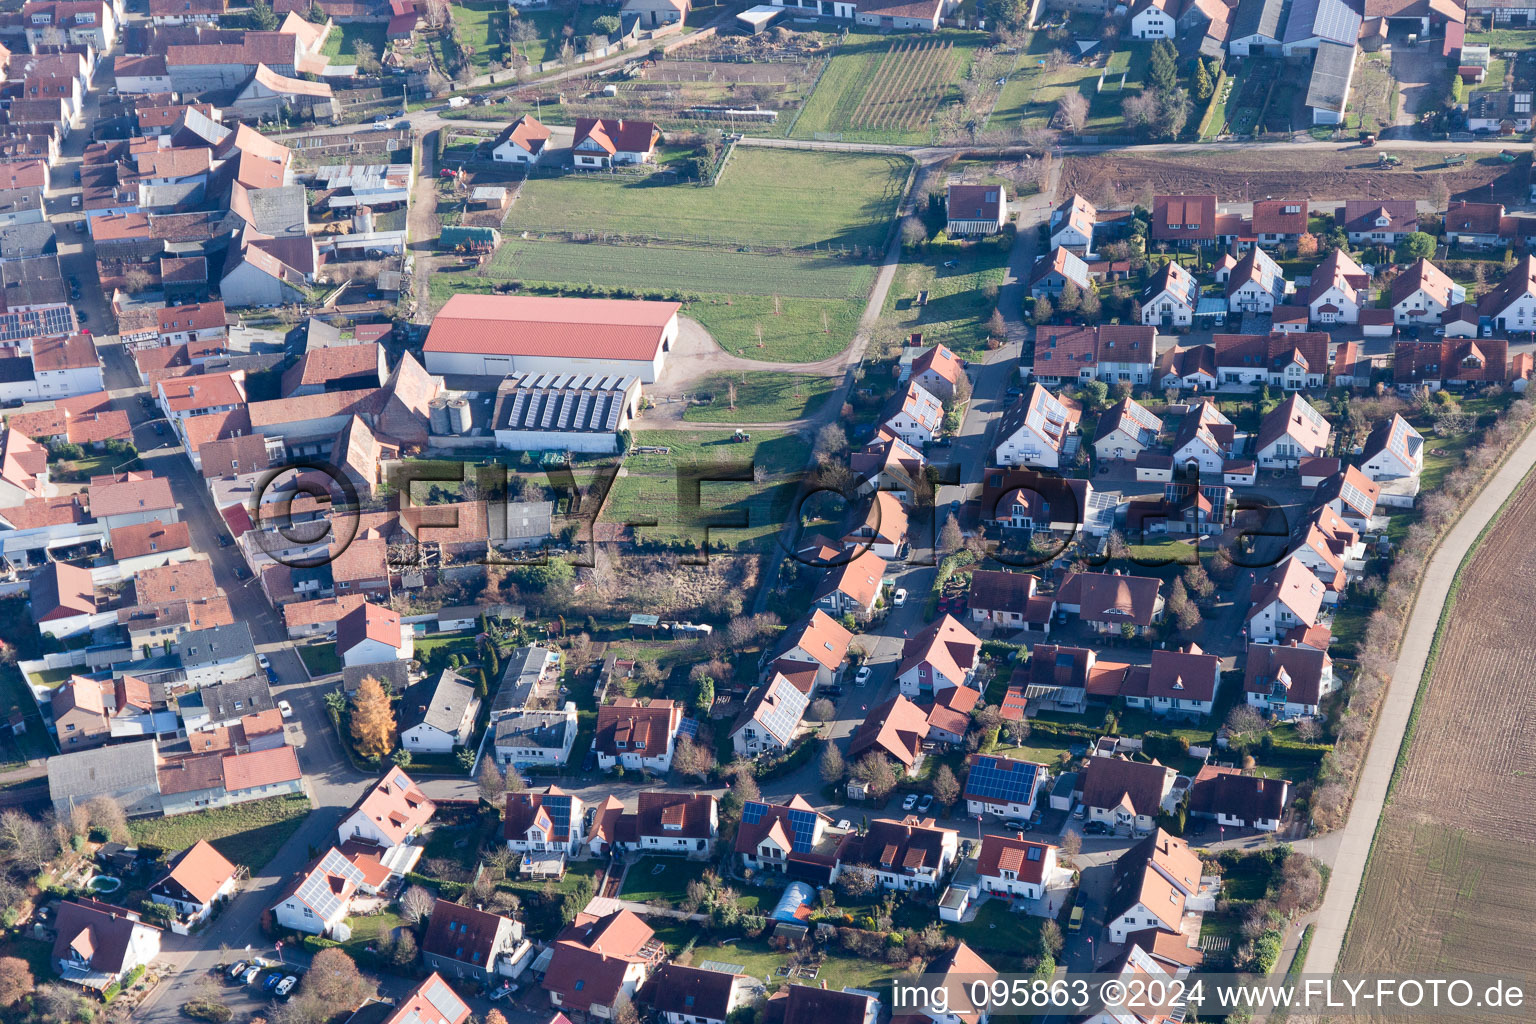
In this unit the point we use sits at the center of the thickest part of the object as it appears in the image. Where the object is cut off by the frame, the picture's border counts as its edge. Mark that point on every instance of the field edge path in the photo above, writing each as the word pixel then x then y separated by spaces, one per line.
pixel 1359 832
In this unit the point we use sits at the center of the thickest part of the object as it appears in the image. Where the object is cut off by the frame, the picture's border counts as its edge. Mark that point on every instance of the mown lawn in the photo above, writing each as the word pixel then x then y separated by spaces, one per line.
pixel 320 659
pixel 961 298
pixel 759 960
pixel 660 878
pixel 249 833
pixel 777 451
pixel 765 198
pixel 482 29
pixel 344 37
pixel 740 515
pixel 1029 98
pixel 654 268
pixel 761 397
pixel 801 331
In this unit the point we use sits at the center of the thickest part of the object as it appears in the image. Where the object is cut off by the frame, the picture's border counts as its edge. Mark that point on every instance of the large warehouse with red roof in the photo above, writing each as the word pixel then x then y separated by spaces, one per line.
pixel 494 335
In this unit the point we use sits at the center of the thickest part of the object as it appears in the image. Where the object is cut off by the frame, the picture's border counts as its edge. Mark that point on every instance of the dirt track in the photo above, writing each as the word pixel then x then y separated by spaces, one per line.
pixel 1298 173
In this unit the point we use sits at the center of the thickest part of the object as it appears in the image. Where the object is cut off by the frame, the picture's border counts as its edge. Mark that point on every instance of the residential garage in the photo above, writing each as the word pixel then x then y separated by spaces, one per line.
pixel 497 335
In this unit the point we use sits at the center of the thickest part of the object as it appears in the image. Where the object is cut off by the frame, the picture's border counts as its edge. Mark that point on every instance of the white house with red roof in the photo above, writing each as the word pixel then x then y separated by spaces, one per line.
pixel 878 527
pixel 319 898
pixel 938 370
pixel 1008 866
pixel 945 654
pixel 1393 457
pixel 128 499
pixel 1287 680
pixel 431 1002
pixel 1004 787
pixel 820 642
pixel 197 879
pixel 975 209
pixel 521 142
pixel 608 142
pixel 96 944
pixel 392 811
pixel 1036 429
pixel 1290 596
pixel 640 737
pixel 597 961
pixel 370 634
pixel 1290 432
pixel 543 822
pixel 916 416
pixel 852 588
pixel 1182 682
pixel 497 335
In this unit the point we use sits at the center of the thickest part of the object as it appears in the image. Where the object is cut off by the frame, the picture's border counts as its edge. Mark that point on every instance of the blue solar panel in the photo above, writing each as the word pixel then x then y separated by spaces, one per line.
pixel 753 812
pixel 804 825
pixel 559 808
pixel 688 727
pixel 1001 779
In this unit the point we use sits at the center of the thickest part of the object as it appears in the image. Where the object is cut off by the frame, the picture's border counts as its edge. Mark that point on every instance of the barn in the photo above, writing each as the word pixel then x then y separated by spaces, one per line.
pixel 497 335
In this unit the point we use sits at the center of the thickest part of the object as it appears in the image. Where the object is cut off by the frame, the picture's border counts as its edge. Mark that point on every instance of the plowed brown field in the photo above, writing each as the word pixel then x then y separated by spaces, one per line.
pixel 1450 880
pixel 1291 172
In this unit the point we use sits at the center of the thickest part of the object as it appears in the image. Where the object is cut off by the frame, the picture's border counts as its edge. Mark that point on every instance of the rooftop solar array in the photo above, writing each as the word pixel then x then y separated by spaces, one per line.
pixel 1001 780
pixel 781 712
pixel 559 807
pixel 802 824
pixel 316 892
pixel 50 321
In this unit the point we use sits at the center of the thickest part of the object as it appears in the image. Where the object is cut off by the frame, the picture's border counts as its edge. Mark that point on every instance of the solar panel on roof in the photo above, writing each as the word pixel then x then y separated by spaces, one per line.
pixel 1001 780
pixel 753 812
pixel 443 1000
pixel 688 727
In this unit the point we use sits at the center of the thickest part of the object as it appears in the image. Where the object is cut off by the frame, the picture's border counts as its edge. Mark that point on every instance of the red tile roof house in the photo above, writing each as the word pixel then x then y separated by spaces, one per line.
pixel 770 717
pixel 896 729
pixel 1183 221
pixel 496 335
pixel 768 839
pixel 371 633
pixel 1156 882
pixel 852 588
pixel 1287 680
pixel 1236 800
pixel 608 142
pixel 1008 866
pixel 819 641
pixel 910 854
pixel 1352 496
pixel 1003 787
pixel 806 1004
pixel 639 737
pixel 597 961
pixel 97 944
pixel 1110 602
pixel 466 942
pixel 392 811
pixel 938 370
pixel 319 898
pixel 1380 222
pixel 63 600
pixel 1279 221
pixel 1290 432
pixel 1125 795
pixel 431 1002
pixel 197 880
pixel 521 142
pixel 693 995
pixel 975 209
pixel 195 322
pixel 944 655
pixel 150 545
pixel 1181 683
pixel 1291 595
pixel 1008 600
pixel 548 822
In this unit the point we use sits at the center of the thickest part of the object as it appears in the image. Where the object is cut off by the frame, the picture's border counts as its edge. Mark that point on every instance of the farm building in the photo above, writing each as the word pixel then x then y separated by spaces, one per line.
pixel 498 335
pixel 564 412
pixel 1333 72
pixel 900 15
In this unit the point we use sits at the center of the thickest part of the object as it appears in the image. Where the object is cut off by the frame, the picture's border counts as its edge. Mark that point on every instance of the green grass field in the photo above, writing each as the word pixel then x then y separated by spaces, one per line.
pixel 761 397
pixel 775 198
pixel 660 878
pixel 483 28
pixel 343 40
pixel 777 451
pixel 655 267
pixel 1029 98
pixel 958 305
pixel 249 833
pixel 802 331
pixel 320 659
pixel 887 88
pixel 762 507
